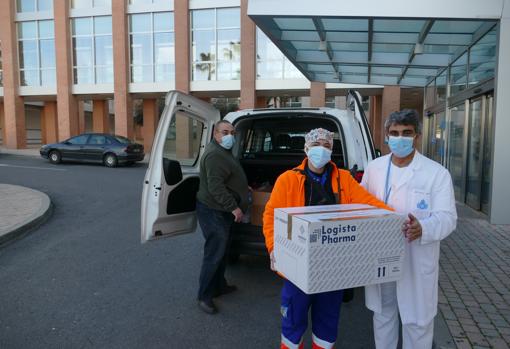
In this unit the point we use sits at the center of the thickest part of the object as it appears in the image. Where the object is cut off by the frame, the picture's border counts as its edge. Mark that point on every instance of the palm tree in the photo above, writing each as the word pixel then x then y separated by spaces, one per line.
pixel 207 65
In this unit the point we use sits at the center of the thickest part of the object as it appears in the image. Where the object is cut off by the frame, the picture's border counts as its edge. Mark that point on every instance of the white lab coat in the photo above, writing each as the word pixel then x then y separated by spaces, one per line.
pixel 425 189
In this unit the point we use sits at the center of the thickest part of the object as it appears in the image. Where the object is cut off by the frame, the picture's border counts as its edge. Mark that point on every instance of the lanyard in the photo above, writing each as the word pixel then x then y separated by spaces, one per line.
pixel 387 187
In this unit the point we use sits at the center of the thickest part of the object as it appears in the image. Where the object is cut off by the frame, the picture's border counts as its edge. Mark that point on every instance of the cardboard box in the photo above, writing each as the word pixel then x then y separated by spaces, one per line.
pixel 259 200
pixel 333 247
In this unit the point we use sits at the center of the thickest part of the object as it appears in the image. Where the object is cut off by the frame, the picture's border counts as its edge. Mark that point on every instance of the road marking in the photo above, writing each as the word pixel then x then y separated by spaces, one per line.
pixel 33 167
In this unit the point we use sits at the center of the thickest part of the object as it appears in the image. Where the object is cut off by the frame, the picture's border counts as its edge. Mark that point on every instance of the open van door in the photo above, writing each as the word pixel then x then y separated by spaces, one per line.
pixel 354 103
pixel 172 179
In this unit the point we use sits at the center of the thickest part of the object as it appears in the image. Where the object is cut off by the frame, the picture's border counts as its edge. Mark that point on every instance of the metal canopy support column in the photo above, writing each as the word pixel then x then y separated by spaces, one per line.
pixel 370 39
pixel 500 190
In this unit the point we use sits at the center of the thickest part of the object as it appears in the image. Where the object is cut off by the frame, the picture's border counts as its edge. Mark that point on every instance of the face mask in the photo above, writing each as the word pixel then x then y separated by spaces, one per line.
pixel 319 156
pixel 227 141
pixel 401 146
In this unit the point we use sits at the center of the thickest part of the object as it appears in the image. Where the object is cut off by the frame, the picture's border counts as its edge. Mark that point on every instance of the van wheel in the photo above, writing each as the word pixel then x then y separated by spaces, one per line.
pixel 110 160
pixel 55 157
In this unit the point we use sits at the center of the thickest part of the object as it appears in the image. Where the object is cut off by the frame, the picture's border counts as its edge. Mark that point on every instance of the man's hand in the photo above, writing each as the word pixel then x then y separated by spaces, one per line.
pixel 238 215
pixel 271 257
pixel 412 228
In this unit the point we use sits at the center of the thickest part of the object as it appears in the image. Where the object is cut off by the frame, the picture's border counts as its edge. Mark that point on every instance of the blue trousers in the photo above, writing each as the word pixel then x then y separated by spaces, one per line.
pixel 325 309
pixel 215 227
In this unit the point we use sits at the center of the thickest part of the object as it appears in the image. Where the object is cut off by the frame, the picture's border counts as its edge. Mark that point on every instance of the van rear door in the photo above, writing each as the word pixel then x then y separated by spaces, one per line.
pixel 172 179
pixel 354 102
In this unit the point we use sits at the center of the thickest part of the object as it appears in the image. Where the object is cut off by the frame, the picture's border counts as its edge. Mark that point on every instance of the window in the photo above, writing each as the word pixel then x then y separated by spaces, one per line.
pixel 482 58
pixel 152 47
pixel 122 139
pixel 216 44
pixel 92 50
pixel 78 140
pixel 330 102
pixel 458 74
pixel 97 139
pixel 183 139
pixel 36 45
pixel 271 63
pixel 34 5
pixel 82 4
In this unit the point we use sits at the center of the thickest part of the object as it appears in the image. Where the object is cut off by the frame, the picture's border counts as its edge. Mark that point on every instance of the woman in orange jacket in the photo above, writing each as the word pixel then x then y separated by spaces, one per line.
pixel 317 181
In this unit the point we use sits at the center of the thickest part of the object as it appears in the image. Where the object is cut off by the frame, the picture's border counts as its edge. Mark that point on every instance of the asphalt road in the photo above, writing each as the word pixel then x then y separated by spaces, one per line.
pixel 83 280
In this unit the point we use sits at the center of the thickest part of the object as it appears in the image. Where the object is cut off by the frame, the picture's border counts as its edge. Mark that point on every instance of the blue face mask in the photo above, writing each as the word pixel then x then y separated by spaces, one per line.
pixel 227 141
pixel 401 146
pixel 319 156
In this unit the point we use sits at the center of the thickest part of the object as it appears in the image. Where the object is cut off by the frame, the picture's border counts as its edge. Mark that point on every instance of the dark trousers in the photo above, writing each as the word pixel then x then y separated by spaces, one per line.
pixel 215 227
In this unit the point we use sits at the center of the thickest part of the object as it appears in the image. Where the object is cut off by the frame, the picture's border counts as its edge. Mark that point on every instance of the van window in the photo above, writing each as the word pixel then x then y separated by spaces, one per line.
pixel 182 142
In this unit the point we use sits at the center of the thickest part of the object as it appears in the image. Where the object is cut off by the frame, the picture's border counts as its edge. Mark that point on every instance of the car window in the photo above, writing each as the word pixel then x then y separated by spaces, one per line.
pixel 108 141
pixel 122 139
pixel 78 140
pixel 182 141
pixel 97 139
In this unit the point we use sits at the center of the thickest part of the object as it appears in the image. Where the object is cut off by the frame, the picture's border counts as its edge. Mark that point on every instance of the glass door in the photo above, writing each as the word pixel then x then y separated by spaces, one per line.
pixel 487 155
pixel 475 154
pixel 457 150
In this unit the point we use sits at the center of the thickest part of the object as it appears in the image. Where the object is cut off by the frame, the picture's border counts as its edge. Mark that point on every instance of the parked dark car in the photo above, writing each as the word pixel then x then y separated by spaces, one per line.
pixel 111 150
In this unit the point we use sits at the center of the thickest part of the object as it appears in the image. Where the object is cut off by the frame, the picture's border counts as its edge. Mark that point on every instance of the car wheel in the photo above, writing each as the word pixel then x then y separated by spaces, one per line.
pixel 54 157
pixel 110 160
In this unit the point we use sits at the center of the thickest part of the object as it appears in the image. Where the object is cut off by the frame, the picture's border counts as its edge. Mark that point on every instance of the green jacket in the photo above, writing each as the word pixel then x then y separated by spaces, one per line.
pixel 223 183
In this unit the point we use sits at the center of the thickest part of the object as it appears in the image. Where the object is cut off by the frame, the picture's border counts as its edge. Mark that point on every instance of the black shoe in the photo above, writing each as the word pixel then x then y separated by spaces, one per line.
pixel 226 290
pixel 208 306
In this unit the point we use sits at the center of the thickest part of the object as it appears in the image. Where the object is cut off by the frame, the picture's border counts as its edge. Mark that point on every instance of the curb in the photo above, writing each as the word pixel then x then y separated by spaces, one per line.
pixel 34 222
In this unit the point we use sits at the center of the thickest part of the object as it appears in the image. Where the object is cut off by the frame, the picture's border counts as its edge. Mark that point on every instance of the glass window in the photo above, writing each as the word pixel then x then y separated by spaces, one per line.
pixel 163 21
pixel 271 63
pixel 26 5
pixel 183 139
pixel 152 48
pixel 45 5
pixel 36 49
pixel 82 26
pixel 47 51
pixel 202 19
pixel 228 17
pixel 103 25
pixel 97 139
pixel 216 38
pixel 456 152
pixel 441 87
pixel 80 4
pixel 458 74
pixel 141 23
pixel 482 59
pixel 78 140
pixel 27 30
pixel 92 50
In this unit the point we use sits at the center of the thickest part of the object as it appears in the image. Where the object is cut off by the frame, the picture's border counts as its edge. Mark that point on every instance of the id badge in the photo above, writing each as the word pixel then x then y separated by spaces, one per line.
pixel 420 201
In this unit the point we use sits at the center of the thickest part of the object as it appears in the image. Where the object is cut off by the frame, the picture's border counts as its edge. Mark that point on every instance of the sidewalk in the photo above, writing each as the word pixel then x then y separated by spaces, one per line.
pixel 32 151
pixel 474 280
pixel 21 209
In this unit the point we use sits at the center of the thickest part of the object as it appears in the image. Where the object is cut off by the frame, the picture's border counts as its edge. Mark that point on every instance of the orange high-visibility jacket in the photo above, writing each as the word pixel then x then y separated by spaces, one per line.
pixel 289 191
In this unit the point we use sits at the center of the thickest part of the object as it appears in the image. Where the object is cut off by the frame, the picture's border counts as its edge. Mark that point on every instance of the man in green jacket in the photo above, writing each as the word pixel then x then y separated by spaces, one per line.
pixel 221 200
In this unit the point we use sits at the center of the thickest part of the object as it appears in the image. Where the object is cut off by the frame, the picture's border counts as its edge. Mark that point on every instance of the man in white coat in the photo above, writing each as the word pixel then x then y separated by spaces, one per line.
pixel 421 189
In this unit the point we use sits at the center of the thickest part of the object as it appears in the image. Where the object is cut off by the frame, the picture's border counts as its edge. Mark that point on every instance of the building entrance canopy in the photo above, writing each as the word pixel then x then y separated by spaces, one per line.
pixel 383 42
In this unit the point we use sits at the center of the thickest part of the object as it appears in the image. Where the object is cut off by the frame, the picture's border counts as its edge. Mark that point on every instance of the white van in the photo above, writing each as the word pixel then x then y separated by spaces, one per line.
pixel 268 142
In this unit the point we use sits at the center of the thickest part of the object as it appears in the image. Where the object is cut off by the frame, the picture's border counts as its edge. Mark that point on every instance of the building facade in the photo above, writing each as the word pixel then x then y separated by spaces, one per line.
pixel 71 66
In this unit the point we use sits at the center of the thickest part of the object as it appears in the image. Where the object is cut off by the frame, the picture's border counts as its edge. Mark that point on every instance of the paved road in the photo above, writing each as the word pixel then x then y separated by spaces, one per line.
pixel 83 280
